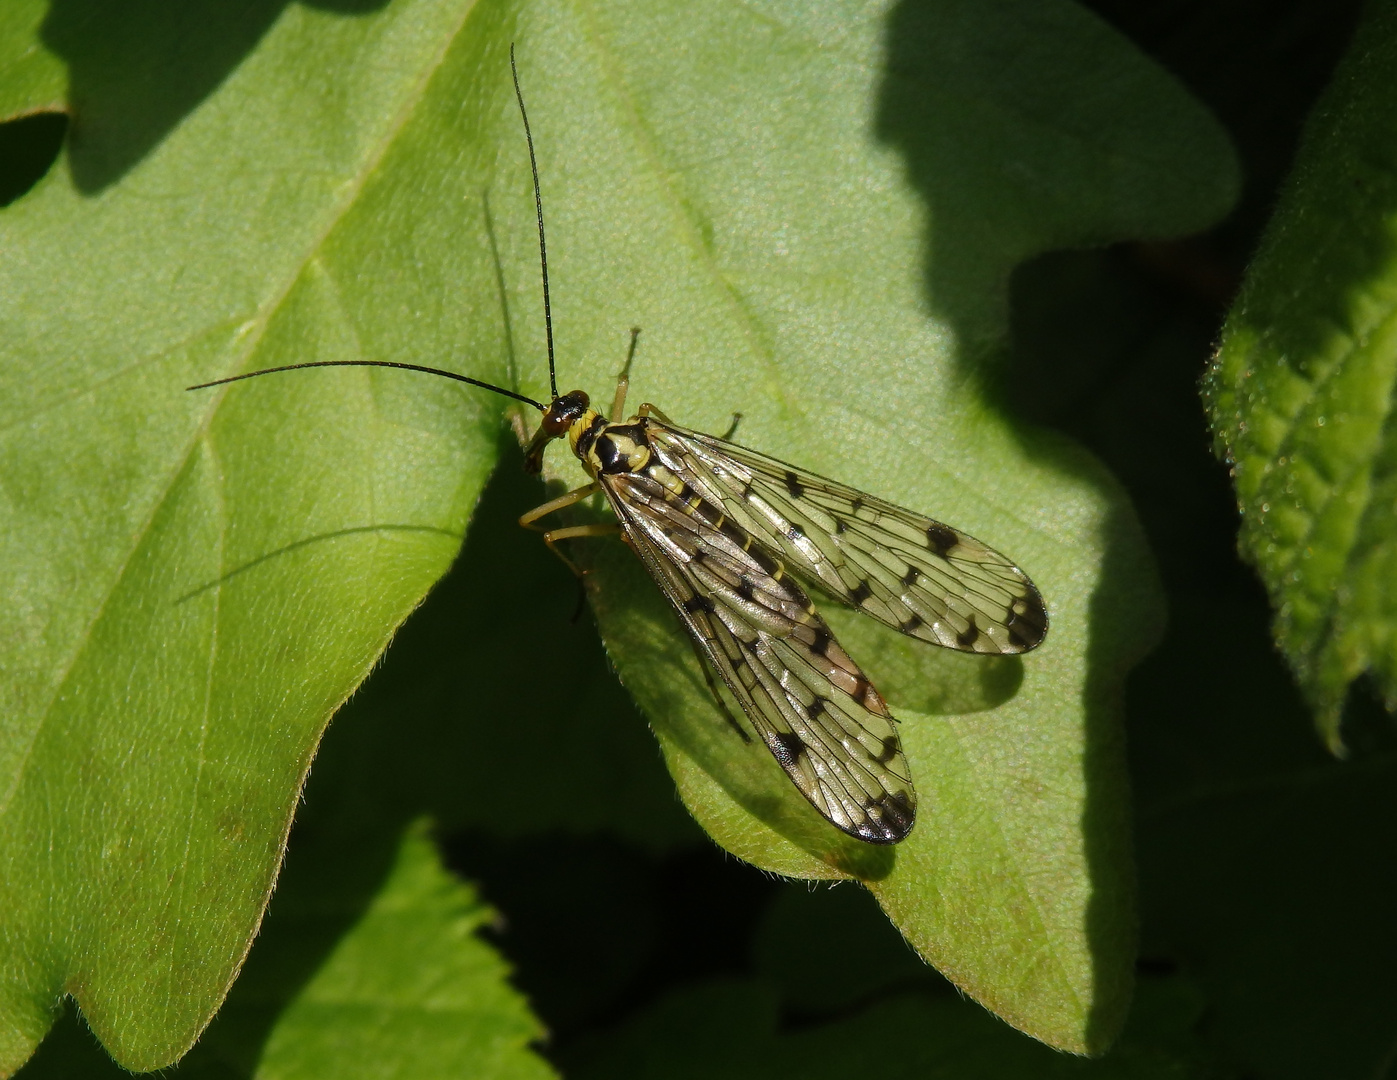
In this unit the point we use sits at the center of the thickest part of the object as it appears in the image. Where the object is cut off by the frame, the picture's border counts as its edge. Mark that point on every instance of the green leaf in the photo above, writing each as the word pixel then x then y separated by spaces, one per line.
pixel 818 319
pixel 389 981
pixel 812 211
pixel 409 990
pixel 1301 392
pixel 195 582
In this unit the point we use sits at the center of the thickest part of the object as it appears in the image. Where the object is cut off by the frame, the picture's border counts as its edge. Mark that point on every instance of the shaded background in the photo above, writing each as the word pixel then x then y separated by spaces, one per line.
pixel 1268 949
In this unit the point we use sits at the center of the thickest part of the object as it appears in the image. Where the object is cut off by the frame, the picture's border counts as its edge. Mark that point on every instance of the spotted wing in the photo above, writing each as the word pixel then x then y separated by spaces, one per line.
pixel 816 711
pixel 916 575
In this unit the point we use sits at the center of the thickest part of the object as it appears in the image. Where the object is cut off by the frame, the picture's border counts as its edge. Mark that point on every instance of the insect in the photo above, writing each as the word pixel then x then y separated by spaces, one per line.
pixel 730 535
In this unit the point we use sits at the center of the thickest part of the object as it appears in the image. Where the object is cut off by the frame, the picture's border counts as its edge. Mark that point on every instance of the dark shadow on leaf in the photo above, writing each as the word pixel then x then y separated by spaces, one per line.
pixel 29 146
pixel 136 70
pixel 493 709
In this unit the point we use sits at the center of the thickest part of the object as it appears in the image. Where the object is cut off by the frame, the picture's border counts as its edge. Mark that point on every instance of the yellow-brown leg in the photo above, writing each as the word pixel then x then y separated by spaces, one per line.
pixel 562 502
pixel 623 381
pixel 572 532
pixel 552 536
pixel 649 410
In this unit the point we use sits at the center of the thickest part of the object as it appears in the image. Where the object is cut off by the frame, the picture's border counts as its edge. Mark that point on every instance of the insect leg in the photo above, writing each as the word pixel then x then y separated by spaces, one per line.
pixel 560 503
pixel 713 689
pixel 649 410
pixel 732 428
pixel 572 532
pixel 623 381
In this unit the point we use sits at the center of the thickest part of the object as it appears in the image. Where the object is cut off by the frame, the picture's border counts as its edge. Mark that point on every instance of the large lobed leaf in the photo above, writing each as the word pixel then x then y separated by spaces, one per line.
pixel 1302 389
pixel 195 583
pixel 811 209
pixel 1016 881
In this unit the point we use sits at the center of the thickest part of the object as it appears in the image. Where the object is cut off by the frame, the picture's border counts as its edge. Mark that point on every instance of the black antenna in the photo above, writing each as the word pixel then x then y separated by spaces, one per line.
pixel 376 363
pixel 547 309
pixel 538 206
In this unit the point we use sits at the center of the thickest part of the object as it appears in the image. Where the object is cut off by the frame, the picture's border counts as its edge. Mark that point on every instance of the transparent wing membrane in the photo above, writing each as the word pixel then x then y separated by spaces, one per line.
pixel 913 573
pixel 809 702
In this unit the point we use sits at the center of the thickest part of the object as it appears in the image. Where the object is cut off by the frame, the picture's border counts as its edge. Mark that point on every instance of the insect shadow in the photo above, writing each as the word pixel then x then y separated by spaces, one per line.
pixel 308 541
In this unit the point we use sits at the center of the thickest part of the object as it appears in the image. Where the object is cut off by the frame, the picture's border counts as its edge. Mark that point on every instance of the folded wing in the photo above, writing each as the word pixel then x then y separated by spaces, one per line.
pixel 917 575
pixel 811 704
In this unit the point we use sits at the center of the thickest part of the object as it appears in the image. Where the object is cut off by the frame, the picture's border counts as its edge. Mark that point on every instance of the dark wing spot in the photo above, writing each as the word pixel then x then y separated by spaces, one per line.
pixel 856 505
pixel 890 819
pixel 840 526
pixel 793 485
pixel 1026 630
pixel 820 646
pixel 1029 618
pixel 860 592
pixel 910 578
pixel 699 603
pixel 815 708
pixel 747 490
pixel 971 635
pixel 787 746
pixel 941 538
pixel 898 813
pixel 914 623
pixel 745 588
pixel 795 532
pixel 889 751
pixel 873 701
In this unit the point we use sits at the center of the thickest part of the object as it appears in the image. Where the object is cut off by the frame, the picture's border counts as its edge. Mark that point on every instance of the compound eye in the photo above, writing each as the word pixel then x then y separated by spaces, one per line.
pixel 576 403
pixel 564 412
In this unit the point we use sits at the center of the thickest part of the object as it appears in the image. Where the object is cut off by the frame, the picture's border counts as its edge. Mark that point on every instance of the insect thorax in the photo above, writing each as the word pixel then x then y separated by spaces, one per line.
pixel 607 448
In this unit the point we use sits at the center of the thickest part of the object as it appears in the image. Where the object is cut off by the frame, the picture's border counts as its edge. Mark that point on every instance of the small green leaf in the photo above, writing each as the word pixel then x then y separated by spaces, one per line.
pixel 356 978
pixel 1302 389
pixel 408 990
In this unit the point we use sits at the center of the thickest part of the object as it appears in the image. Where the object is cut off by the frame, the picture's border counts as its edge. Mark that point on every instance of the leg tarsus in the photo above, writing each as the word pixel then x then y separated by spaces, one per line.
pixel 650 410
pixel 552 536
pixel 572 532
